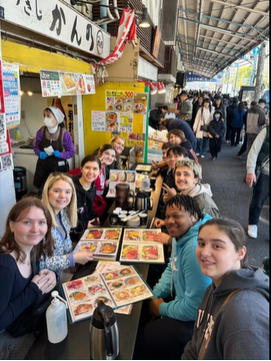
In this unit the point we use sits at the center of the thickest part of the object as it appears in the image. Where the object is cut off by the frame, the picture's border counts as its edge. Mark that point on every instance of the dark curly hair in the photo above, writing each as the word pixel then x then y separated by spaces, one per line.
pixel 188 203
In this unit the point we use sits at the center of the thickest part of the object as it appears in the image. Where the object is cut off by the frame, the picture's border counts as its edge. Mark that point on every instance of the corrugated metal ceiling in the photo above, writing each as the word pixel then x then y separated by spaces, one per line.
pixel 212 34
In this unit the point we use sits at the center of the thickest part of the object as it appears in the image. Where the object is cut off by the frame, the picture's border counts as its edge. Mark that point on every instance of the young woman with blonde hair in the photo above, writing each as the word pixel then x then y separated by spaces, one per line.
pixel 59 196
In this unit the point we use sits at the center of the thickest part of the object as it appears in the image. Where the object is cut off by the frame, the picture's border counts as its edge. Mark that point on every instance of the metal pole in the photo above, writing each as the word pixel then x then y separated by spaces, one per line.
pixel 228 77
pixel 236 75
pixel 253 69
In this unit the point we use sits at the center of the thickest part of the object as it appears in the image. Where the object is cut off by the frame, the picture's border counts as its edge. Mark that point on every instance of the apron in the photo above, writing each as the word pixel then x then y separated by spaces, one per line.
pixel 50 164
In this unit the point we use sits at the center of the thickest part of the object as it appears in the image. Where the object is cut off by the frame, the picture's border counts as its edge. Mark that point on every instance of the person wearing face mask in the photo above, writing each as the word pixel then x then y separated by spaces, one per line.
pixel 216 134
pixel 53 145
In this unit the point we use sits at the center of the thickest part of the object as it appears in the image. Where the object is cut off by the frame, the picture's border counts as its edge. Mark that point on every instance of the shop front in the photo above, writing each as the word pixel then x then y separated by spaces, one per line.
pixel 28 61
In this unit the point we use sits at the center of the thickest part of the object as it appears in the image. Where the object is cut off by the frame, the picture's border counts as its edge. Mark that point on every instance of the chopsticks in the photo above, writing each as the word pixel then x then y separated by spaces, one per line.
pixel 132 216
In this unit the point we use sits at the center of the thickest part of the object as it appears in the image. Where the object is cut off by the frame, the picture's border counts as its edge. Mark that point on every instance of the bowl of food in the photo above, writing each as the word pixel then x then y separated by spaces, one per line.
pixel 111 121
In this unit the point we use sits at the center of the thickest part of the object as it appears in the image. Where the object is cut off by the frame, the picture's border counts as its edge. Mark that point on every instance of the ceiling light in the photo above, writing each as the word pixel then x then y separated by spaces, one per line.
pixel 144 21
pixel 29 93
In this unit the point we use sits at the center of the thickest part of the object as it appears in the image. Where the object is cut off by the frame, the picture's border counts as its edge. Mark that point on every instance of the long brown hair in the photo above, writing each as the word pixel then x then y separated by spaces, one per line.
pixel 18 212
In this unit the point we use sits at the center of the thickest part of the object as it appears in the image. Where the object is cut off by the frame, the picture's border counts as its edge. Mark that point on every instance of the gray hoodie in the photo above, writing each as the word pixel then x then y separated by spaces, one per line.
pixel 239 329
pixel 203 195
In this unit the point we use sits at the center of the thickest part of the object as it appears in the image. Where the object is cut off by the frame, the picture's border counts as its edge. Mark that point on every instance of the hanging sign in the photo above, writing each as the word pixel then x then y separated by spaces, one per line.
pixel 55 83
pixel 59 21
pixel 156 42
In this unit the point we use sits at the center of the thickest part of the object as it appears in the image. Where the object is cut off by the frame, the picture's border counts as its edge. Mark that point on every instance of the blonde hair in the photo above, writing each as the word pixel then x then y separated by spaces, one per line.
pixel 113 139
pixel 195 167
pixel 72 206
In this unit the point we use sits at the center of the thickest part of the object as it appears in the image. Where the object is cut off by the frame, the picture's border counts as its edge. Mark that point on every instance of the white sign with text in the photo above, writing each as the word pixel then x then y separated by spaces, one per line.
pixel 57 20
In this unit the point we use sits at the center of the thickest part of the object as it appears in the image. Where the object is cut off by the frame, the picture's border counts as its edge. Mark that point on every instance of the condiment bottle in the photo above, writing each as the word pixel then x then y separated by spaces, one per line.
pixel 56 319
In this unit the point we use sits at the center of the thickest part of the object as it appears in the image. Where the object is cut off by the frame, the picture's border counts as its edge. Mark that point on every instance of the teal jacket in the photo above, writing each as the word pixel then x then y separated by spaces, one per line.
pixel 183 278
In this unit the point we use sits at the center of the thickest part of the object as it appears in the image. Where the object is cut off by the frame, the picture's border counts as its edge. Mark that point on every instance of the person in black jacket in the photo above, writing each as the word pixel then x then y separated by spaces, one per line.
pixel 172 123
pixel 216 134
pixel 156 115
pixel 86 192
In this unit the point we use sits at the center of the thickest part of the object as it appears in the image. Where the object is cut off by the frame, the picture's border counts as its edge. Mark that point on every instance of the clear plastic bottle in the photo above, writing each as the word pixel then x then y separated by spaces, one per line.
pixel 56 319
pixel 145 183
pixel 17 133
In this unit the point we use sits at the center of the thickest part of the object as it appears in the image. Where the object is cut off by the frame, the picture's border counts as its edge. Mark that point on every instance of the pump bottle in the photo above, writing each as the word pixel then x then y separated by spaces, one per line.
pixel 56 319
pixel 145 183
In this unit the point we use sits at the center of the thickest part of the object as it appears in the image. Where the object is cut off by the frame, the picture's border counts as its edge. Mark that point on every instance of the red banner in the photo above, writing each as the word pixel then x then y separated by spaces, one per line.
pixel 126 32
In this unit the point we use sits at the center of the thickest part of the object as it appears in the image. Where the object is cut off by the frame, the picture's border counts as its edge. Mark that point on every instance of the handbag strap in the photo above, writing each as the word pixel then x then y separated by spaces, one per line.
pixel 206 341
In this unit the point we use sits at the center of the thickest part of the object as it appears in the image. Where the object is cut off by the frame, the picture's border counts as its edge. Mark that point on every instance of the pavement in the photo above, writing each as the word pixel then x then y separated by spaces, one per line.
pixel 233 196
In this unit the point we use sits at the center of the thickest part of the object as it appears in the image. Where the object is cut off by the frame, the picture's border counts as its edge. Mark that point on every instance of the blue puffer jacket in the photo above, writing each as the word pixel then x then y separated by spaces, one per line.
pixel 183 277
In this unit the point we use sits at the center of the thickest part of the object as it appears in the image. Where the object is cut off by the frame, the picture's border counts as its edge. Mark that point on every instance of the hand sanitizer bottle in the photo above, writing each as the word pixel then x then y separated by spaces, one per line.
pixel 145 183
pixel 56 319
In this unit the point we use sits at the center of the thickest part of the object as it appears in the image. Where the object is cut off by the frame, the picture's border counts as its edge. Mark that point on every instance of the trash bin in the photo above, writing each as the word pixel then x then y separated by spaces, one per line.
pixel 20 184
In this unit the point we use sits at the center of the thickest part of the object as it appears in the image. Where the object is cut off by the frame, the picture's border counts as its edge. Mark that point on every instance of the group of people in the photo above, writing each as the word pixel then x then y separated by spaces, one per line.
pixel 214 119
pixel 206 281
pixel 41 233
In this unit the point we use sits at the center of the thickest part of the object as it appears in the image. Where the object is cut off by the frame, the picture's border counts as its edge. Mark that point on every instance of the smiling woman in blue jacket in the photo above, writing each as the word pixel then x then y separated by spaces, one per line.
pixel 181 286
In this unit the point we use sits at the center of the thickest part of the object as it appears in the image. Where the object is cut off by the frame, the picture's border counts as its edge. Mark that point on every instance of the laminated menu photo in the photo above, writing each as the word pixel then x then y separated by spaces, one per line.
pixel 138 246
pixel 103 243
pixel 119 287
pixel 120 176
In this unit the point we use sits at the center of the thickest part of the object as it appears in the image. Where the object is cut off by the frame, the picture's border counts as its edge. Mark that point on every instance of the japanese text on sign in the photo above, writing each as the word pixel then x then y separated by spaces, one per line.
pixel 57 20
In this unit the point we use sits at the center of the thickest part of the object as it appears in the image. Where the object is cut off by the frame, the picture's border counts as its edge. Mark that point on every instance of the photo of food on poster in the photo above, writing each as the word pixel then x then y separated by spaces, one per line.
pixel 89 83
pixel 119 100
pixel 111 121
pixel 140 103
pixel 85 83
pixel 67 83
pixel 125 122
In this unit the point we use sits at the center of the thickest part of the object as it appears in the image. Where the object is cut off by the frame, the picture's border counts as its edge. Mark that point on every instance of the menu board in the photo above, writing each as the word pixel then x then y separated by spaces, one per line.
pixel 116 285
pixel 138 246
pixel 103 243
pixel 120 176
pixel 55 83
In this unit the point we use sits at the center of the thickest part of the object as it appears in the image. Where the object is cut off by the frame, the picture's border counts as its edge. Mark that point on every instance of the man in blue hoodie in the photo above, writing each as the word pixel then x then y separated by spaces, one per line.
pixel 181 286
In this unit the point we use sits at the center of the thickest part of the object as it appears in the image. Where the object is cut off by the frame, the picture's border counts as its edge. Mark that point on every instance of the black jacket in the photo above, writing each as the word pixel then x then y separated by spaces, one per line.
pixel 217 127
pixel 84 204
pixel 154 118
